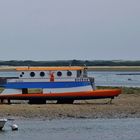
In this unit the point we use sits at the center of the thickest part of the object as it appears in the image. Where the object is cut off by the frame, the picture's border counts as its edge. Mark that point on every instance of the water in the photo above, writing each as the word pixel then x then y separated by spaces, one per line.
pixel 116 78
pixel 74 129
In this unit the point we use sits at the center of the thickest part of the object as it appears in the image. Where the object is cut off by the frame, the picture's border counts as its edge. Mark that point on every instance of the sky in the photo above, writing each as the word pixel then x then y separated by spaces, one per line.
pixel 69 29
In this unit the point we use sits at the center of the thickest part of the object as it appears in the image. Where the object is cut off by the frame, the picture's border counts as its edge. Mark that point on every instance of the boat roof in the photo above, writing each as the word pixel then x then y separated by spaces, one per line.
pixel 72 68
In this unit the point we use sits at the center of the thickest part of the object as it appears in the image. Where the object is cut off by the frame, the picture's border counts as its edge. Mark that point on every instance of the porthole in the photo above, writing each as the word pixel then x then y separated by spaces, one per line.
pixel 69 73
pixel 59 73
pixel 42 74
pixel 22 73
pixel 32 74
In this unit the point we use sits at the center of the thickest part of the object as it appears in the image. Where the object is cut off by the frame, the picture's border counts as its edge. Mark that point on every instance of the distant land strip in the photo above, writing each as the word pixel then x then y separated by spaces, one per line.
pixel 98 65
pixel 73 62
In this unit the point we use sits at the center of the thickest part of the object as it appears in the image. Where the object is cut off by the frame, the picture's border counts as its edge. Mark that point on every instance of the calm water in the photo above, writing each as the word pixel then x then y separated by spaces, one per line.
pixel 116 78
pixel 74 129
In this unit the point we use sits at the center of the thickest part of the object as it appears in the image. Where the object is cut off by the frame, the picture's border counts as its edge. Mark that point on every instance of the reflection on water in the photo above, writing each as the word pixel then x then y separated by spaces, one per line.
pixel 75 129
pixel 116 78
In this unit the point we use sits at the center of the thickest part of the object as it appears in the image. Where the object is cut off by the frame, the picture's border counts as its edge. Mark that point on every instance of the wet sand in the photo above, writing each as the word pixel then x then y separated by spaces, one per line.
pixel 123 106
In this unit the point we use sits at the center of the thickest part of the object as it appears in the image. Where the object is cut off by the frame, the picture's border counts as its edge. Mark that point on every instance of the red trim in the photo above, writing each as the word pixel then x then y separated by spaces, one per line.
pixel 96 93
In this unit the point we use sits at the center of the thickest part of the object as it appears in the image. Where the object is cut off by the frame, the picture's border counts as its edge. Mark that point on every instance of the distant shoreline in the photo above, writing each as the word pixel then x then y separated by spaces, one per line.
pixel 73 62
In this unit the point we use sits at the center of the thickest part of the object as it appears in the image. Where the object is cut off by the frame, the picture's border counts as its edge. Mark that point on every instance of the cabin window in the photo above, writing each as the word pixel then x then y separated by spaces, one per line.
pixel 42 74
pixel 32 74
pixel 69 73
pixel 59 73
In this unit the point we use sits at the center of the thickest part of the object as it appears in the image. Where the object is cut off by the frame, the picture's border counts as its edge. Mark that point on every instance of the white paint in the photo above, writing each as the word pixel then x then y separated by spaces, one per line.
pixel 47 74
pixel 63 90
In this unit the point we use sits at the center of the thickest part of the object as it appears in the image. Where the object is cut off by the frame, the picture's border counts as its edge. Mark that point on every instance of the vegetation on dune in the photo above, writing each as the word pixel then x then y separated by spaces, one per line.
pixel 1 89
pixel 125 90
pixel 131 90
pixel 70 62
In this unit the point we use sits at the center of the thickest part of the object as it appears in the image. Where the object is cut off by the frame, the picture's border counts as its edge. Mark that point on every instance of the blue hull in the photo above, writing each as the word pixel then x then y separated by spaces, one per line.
pixel 21 85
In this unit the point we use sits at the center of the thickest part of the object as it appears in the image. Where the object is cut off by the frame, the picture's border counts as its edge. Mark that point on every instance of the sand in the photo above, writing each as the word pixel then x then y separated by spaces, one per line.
pixel 123 106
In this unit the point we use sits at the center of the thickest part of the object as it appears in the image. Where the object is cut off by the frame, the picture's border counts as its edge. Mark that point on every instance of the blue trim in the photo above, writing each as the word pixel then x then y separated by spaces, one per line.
pixel 21 85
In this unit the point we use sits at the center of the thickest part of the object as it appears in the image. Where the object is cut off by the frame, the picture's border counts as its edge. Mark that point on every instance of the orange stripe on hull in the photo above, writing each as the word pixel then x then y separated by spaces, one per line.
pixel 88 94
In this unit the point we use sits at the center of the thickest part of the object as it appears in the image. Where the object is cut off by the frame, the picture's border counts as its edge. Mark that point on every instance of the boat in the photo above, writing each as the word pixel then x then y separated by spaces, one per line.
pixel 64 84
pixel 2 123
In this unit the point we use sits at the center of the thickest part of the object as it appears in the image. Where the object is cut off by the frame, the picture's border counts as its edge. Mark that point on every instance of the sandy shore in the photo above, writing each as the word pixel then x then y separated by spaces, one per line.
pixel 124 106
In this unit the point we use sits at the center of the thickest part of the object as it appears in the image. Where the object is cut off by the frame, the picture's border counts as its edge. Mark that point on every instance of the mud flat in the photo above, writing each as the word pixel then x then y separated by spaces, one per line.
pixel 123 106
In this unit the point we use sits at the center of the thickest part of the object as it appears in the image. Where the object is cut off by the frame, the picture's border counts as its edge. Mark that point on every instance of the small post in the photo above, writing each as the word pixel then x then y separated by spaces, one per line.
pixel 9 102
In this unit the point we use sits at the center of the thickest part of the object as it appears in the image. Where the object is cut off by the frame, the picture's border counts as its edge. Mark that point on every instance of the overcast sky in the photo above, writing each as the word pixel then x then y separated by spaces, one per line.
pixel 69 29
